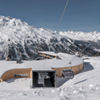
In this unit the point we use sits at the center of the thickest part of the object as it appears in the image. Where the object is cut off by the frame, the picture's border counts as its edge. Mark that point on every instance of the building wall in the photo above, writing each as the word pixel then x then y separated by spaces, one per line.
pixel 11 73
pixel 76 69
pixel 47 55
pixel 0 80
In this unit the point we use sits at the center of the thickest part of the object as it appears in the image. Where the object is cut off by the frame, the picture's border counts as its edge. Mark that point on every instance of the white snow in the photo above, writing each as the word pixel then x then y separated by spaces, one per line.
pixel 84 86
pixel 86 36
pixel 17 31
pixel 47 64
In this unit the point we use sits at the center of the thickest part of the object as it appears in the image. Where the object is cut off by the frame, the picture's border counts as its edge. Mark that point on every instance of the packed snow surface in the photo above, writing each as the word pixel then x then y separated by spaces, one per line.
pixel 84 86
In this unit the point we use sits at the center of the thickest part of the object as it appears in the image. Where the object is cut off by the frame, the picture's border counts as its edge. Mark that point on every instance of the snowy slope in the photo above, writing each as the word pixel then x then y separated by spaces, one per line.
pixel 17 38
pixel 84 86
pixel 92 38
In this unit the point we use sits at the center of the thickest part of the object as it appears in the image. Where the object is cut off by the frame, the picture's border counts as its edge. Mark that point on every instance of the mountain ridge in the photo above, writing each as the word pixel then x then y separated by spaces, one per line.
pixel 19 38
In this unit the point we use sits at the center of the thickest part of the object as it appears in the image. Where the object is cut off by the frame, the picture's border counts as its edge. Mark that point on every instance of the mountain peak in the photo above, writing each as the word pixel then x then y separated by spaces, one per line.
pixel 17 37
pixel 9 21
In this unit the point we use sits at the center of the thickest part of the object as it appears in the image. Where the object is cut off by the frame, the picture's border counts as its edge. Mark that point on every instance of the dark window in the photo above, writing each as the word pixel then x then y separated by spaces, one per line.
pixel 68 74
pixel 21 75
pixel 44 78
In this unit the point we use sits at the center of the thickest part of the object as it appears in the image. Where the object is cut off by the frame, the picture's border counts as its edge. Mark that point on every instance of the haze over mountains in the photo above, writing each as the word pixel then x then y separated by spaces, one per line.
pixel 17 38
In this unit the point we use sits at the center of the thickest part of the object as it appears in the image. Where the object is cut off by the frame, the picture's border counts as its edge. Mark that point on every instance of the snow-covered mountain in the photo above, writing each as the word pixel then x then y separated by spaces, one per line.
pixel 85 36
pixel 19 38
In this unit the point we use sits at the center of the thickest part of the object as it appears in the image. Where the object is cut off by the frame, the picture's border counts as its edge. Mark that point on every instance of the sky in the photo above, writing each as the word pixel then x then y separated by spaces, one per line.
pixel 80 15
